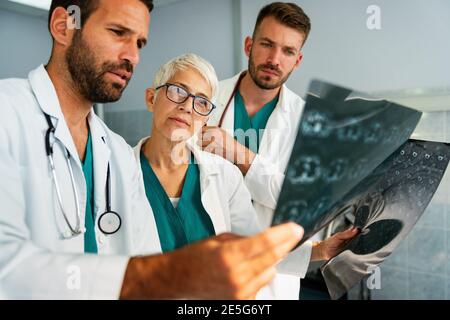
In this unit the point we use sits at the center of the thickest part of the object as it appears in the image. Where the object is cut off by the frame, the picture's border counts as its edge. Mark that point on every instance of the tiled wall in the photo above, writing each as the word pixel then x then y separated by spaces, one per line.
pixel 420 267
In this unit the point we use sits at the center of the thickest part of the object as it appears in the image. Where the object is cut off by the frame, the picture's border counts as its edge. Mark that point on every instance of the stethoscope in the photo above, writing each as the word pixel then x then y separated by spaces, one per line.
pixel 233 93
pixel 108 223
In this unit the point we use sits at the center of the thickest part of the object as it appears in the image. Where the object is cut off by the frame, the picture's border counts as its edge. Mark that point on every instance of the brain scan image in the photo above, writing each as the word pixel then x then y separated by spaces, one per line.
pixel 353 157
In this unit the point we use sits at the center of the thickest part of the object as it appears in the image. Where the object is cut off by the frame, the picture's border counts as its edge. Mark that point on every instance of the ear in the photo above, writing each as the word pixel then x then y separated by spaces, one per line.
pixel 59 27
pixel 248 46
pixel 299 60
pixel 150 96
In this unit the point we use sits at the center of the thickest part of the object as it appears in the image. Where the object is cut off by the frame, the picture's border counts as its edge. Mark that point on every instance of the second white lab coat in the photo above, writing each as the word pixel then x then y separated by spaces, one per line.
pixel 267 172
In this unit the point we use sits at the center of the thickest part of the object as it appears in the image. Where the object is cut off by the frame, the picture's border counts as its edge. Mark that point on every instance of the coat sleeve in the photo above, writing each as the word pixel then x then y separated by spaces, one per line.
pixel 30 272
pixel 264 181
pixel 244 221
pixel 243 218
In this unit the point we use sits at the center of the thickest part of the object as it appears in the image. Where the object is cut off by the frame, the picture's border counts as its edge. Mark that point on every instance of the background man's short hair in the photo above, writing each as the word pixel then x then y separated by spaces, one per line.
pixel 87 7
pixel 288 14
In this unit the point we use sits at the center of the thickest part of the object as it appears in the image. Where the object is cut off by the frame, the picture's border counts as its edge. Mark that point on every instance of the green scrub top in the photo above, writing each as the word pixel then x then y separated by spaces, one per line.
pixel 244 122
pixel 90 244
pixel 187 223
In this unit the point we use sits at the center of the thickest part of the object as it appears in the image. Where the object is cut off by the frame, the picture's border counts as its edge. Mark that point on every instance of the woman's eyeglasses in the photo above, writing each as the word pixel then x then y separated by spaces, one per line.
pixel 179 95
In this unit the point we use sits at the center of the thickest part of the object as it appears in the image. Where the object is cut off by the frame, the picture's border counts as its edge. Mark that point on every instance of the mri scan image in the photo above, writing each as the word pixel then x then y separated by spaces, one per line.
pixel 353 157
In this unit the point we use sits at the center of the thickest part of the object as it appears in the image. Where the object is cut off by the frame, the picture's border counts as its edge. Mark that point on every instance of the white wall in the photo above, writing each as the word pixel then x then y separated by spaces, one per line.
pixel 411 50
pixel 24 43
pixel 200 26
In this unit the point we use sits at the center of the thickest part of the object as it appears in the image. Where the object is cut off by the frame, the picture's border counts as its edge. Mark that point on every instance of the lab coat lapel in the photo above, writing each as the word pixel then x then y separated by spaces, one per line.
pixel 277 124
pixel 101 153
pixel 154 236
pixel 47 98
pixel 208 172
pixel 225 93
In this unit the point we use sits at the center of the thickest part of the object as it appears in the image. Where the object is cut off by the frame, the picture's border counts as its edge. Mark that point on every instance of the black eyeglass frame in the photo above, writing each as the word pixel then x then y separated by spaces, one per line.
pixel 194 97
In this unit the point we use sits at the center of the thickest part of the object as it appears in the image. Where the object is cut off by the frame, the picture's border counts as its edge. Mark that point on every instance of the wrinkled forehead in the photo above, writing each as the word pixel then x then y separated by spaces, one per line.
pixel 131 14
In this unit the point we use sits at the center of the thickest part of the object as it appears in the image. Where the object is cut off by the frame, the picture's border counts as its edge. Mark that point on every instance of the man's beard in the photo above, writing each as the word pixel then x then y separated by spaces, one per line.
pixel 264 83
pixel 88 74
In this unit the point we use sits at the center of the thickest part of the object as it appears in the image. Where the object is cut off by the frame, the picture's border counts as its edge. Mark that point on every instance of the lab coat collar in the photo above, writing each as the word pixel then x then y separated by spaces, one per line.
pixel 205 161
pixel 281 101
pixel 45 92
pixel 46 95
pixel 208 170
pixel 226 90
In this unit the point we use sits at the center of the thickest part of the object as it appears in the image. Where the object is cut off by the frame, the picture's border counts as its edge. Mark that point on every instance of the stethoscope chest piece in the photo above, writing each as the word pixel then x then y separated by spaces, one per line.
pixel 109 222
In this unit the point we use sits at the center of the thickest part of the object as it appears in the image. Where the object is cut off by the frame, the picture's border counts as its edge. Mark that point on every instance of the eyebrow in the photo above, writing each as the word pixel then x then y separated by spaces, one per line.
pixel 285 47
pixel 128 31
pixel 199 94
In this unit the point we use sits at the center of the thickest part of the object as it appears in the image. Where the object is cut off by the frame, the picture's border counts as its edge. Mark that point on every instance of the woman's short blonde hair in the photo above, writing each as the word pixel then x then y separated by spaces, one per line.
pixel 183 62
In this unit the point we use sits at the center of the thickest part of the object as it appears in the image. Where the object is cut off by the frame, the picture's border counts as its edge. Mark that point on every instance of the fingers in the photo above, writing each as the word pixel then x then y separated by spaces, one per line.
pixel 257 266
pixel 348 234
pixel 206 137
pixel 280 239
pixel 256 283
pixel 206 128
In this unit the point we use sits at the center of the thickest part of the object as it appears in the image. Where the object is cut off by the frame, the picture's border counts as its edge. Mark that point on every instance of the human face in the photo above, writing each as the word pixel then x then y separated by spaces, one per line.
pixel 102 56
pixel 273 53
pixel 179 122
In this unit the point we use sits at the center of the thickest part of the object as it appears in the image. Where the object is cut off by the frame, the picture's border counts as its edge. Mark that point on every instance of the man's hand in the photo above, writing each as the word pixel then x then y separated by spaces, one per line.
pixel 222 267
pixel 332 246
pixel 216 140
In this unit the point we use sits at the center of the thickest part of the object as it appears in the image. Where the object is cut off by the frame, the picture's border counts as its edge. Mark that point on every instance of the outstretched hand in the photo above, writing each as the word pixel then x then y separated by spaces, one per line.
pixel 332 246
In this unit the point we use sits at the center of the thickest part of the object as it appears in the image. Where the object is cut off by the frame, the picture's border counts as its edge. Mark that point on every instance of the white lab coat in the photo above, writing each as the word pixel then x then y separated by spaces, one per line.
pixel 223 193
pixel 266 174
pixel 35 263
pixel 227 200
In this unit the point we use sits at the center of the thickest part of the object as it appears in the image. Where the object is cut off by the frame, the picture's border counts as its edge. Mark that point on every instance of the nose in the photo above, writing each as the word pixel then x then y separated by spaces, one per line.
pixel 131 53
pixel 275 56
pixel 187 106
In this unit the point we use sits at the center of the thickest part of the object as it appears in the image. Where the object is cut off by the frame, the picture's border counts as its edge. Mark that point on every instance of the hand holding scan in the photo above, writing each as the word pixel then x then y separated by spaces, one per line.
pixel 222 267
pixel 332 246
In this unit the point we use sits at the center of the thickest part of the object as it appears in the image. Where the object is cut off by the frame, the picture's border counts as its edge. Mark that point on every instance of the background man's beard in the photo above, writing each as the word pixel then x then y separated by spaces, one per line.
pixel 90 81
pixel 263 84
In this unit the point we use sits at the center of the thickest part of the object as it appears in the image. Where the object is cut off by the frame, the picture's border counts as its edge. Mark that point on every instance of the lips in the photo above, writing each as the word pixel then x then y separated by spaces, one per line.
pixel 270 71
pixel 180 121
pixel 122 74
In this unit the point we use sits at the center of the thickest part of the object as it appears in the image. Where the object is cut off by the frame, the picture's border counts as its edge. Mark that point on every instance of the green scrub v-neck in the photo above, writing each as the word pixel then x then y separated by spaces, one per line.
pixel 187 223
pixel 244 122
pixel 90 243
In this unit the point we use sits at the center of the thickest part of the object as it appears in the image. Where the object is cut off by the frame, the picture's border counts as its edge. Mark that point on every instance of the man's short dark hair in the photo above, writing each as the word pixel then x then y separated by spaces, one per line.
pixel 87 7
pixel 288 14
